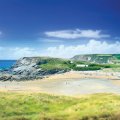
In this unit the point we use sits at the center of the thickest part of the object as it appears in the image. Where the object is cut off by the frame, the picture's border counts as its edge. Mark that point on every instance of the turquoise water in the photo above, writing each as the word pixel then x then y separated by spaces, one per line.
pixel 6 64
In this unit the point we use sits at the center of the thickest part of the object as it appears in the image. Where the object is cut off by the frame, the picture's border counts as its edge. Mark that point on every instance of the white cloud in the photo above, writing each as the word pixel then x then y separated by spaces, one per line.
pixel 92 47
pixel 51 40
pixel 77 33
pixel 17 52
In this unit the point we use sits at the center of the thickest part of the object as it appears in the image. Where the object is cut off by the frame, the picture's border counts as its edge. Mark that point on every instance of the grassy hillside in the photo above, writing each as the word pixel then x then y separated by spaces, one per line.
pixel 98 58
pixel 56 64
pixel 36 106
pixel 53 64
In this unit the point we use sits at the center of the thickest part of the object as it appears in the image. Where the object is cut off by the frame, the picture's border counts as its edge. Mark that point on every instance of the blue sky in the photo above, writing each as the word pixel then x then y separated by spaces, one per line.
pixel 58 28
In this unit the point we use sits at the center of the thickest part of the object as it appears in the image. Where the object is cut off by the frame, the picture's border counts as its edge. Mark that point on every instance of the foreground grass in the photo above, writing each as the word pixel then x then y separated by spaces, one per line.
pixel 36 106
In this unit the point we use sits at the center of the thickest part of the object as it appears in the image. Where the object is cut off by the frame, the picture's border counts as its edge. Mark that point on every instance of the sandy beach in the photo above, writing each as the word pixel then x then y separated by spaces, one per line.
pixel 86 74
pixel 81 82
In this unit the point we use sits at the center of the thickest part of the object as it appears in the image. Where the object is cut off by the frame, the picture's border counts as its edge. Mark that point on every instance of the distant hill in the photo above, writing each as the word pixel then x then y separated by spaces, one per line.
pixel 98 58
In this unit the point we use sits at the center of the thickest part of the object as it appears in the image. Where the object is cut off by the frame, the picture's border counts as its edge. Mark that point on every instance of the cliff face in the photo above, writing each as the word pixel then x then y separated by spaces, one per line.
pixel 31 68
pixel 98 58
pixel 26 68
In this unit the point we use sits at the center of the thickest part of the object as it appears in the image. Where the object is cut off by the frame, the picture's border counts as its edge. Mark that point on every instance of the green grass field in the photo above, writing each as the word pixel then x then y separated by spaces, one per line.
pixel 56 64
pixel 36 106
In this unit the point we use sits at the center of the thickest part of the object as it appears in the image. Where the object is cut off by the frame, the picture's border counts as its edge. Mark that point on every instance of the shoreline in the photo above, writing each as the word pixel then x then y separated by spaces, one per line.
pixel 43 85
pixel 82 75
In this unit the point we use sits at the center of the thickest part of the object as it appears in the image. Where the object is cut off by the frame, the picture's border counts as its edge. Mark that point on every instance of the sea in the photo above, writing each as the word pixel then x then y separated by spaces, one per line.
pixel 6 64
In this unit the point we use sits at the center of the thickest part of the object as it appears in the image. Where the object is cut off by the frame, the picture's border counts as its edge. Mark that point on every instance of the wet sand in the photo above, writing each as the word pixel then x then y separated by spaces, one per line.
pixel 70 83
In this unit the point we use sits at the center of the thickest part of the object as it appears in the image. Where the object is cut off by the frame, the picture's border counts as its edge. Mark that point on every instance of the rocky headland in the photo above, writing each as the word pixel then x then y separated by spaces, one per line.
pixel 33 68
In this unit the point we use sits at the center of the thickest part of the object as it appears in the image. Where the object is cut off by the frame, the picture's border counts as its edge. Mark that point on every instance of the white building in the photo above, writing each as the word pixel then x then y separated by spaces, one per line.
pixel 81 65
